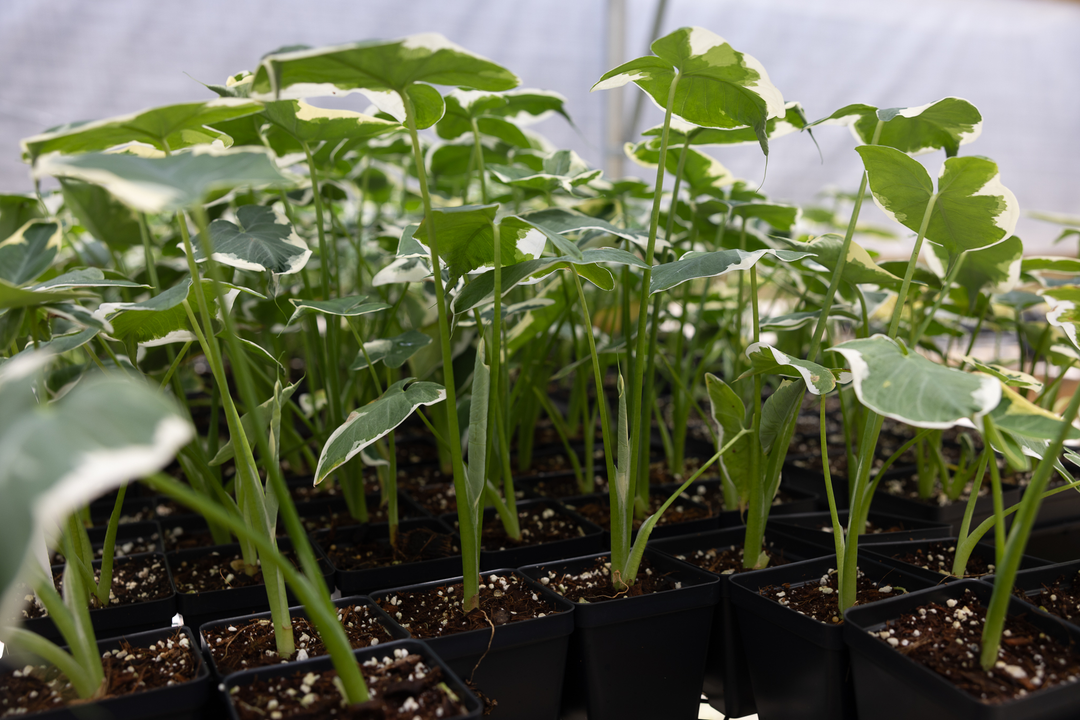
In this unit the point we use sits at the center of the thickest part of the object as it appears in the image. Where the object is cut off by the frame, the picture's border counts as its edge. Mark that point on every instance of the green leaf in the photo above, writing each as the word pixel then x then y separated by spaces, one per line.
pixel 1008 376
pixel 507 311
pixel 105 218
pixel 695 265
pixel 60 456
pixel 717 85
pixel 1020 416
pixel 373 421
pixel 563 170
pixel 946 124
pixel 764 358
pixel 1055 264
pixel 377 65
pixel 777 408
pixel 84 278
pixel 908 387
pixel 171 127
pixel 796 320
pixel 563 221
pixel 29 252
pixel 247 422
pixel 995 267
pixel 794 119
pixel 781 217
pixel 261 239
pixel 157 320
pixel 973 209
pixel 703 173
pixel 312 125
pixel 168 184
pixel 479 410
pixel 466 238
pixel 392 351
pixel 352 306
pixel 16 211
pixel 60 344
pixel 728 415
pixel 14 297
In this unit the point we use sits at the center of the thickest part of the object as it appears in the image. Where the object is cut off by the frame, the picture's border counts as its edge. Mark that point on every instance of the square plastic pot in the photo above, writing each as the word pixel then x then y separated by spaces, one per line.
pixel 891 686
pixel 884 552
pixel 639 657
pixel 808 526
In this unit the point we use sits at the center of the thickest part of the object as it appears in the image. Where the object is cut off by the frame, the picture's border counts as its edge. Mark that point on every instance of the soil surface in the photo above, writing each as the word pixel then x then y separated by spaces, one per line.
pixel 907 487
pixel 437 611
pixel 729 560
pixel 711 495
pixel 34 688
pixel 216 571
pixel 594 583
pixel 538 525
pixel 124 546
pixel 948 640
pixel 251 644
pixel 401 686
pixel 137 579
pixel 939 557
pixel 438 498
pixel 818 598
pixel 1060 597
pixel 680 511
pixel 414 545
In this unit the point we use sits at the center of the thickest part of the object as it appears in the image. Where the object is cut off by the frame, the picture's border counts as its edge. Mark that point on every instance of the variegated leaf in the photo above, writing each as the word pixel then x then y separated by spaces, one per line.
pixel 946 124
pixel 261 239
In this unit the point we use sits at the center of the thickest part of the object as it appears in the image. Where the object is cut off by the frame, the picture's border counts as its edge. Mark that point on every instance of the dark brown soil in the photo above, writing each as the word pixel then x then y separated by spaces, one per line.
pixel 711 495
pixel 818 598
pixel 136 579
pixel 123 548
pixel 437 611
pixel 414 545
pixel 594 584
pixel 438 498
pixel 597 512
pixel 33 688
pixel 1060 597
pixel 729 560
pixel 178 538
pixel 216 571
pixel 948 640
pixel 401 686
pixel 538 525
pixel 908 487
pixel 251 644
pixel 939 557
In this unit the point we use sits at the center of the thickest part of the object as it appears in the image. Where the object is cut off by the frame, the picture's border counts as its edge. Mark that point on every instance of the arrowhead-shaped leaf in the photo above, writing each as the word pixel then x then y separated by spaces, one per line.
pixel 313 125
pixel 261 239
pixel 29 252
pixel 171 127
pixel 392 351
pixel 973 209
pixel 903 385
pixel 84 278
pixel 764 358
pixel 995 268
pixel 563 169
pixel 717 85
pixel 375 420
pixel 466 238
pixel 157 320
pixel 1020 416
pixel 794 119
pixel 695 265
pixel 943 125
pixel 168 184
pixel 352 306
pixel 59 457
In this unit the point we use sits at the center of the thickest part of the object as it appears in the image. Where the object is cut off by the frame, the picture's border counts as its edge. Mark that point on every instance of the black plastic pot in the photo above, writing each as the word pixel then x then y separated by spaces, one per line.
pixel 520 664
pixel 354 582
pixel 592 541
pixel 184 701
pixel 146 533
pixel 452 680
pixel 395 630
pixel 131 618
pixel 204 607
pixel 1059 508
pixel 639 657
pixel 884 552
pixel 951 514
pixel 669 529
pixel 890 686
pixel 1059 542
pixel 1032 580
pixel 799 667
pixel 808 526
pixel 727 680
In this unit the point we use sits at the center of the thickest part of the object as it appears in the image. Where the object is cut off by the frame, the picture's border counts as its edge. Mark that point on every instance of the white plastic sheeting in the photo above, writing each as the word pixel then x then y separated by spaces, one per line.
pixel 1017 60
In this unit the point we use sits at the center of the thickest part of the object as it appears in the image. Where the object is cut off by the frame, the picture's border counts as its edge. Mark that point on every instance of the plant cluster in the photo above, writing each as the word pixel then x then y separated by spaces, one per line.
pixel 321 279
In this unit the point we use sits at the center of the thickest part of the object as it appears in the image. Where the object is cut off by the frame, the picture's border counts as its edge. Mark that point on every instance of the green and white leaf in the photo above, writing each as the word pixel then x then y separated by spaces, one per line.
pixel 776 409
pixel 506 311
pixel 392 351
pixel 794 120
pixel 903 385
pixel 973 209
pixel 12 296
pixel 943 125
pixel 58 457
pixel 694 265
pixel 168 184
pixel 995 267
pixel 251 427
pixel 704 173
pixel 1054 264
pixel 313 125
pixel 466 238
pixel 84 278
pixel 158 320
pixel 796 320
pixel 728 416
pixel 563 170
pixel 764 358
pixel 562 221
pixel 171 127
pixel 1008 376
pixel 859 268
pixel 103 216
pixel 1019 416
pixel 60 344
pixel 16 211
pixel 29 251
pixel 262 239
pixel 374 421
pixel 717 85
pixel 352 306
